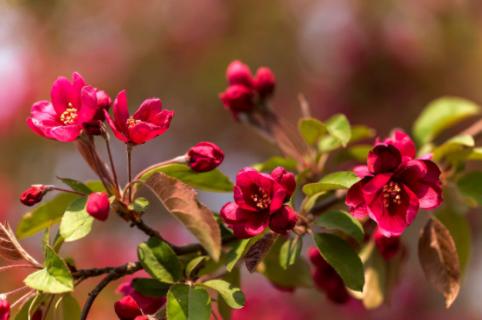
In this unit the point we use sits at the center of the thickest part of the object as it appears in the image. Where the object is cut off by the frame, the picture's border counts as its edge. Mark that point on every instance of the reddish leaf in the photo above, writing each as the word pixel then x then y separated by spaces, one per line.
pixel 258 251
pixel 438 256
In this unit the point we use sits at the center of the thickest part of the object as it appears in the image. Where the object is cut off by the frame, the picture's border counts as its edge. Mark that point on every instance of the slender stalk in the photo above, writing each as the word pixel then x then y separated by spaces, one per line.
pixel 111 161
pixel 23 298
pixel 129 168
pixel 9 293
pixel 15 266
pixel 180 159
pixel 68 191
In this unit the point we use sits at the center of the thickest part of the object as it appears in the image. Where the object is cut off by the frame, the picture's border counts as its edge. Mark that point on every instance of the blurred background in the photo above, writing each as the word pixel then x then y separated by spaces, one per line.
pixel 379 62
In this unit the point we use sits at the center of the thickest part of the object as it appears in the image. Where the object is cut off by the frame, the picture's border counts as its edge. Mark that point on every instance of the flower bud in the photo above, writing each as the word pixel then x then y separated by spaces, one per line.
pixel 98 205
pixel 238 98
pixel 239 73
pixel 205 156
pixel 286 179
pixel 4 309
pixel 387 246
pixel 283 220
pixel 127 308
pixel 264 82
pixel 103 100
pixel 34 194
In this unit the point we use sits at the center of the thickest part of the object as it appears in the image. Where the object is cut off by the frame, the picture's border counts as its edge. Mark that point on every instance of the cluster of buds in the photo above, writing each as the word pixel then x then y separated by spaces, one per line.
pixel 245 91
pixel 133 305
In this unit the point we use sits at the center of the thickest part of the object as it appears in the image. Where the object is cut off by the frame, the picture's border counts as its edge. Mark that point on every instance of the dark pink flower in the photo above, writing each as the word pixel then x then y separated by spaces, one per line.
pixel 98 205
pixel 327 279
pixel 264 82
pixel 72 104
pixel 127 308
pixel 148 305
pixel 394 185
pixel 4 309
pixel 148 122
pixel 258 203
pixel 205 156
pixel 238 98
pixel 104 102
pixel 239 73
pixel 34 194
pixel 387 246
pixel 286 179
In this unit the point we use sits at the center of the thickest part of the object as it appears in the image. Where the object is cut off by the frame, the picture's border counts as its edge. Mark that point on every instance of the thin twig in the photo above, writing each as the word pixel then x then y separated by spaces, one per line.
pixel 129 168
pixel 111 160
pixel 68 191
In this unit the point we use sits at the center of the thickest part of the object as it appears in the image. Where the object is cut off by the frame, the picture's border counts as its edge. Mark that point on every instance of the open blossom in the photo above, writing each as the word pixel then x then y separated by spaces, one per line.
pixel 148 122
pixel 205 156
pixel 72 105
pixel 244 91
pixel 33 194
pixel 258 203
pixel 326 279
pixel 394 185
pixel 148 305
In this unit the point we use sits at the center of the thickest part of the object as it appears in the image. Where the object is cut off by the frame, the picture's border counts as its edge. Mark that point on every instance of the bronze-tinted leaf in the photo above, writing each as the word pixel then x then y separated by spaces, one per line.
pixel 438 256
pixel 10 248
pixel 258 251
pixel 181 201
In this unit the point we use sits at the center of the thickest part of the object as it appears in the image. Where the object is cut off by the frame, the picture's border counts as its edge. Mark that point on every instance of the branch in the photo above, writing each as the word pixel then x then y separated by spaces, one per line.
pixel 328 202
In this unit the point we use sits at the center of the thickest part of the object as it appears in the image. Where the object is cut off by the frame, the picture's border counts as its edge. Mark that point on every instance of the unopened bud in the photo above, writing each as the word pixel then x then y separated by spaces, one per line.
pixel 34 194
pixel 98 205
pixel 205 156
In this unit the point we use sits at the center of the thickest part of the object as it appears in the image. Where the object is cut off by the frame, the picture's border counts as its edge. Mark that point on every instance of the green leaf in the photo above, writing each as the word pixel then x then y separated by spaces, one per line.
pixel 194 265
pixel 296 275
pixel 441 114
pixel 188 303
pixel 459 228
pixel 238 251
pixel 339 128
pixel 311 130
pixel 213 180
pixel 358 153
pixel 376 285
pixel 54 278
pixel 290 252
pixel 342 221
pixel 140 204
pixel 49 212
pixel 342 258
pixel 332 181
pixel 476 154
pixel 181 201
pixel 76 223
pixel 149 287
pixel 273 162
pixel 159 260
pixel 456 148
pixel 470 185
pixel 360 132
pixel 233 296
pixel 76 185
pixel 68 308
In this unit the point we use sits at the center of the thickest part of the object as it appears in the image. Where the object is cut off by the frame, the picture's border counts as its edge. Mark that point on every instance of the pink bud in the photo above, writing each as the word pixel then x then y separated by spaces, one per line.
pixel 387 246
pixel 98 205
pixel 34 194
pixel 264 82
pixel 103 100
pixel 127 308
pixel 239 73
pixel 205 156
pixel 283 220
pixel 238 98
pixel 286 179
pixel 4 309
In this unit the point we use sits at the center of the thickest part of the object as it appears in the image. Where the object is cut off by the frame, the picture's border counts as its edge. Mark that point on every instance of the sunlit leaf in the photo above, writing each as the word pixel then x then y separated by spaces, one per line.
pixel 232 295
pixel 273 162
pixel 186 302
pixel 311 130
pixel 76 223
pixel 342 221
pixel 159 260
pixel 332 181
pixel 290 252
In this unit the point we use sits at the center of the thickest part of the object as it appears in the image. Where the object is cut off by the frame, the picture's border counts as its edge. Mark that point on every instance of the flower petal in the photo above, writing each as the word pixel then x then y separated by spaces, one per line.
pixel 121 111
pixel 355 200
pixel 283 220
pixel 244 224
pixel 362 171
pixel 373 187
pixel 149 108
pixel 142 132
pixel 61 94
pixel 119 135
pixel 383 158
pixel 88 105
pixel 403 143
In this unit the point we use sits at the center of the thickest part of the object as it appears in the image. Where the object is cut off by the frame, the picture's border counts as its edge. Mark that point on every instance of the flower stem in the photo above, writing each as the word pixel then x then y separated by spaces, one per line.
pixel 111 161
pixel 129 168
pixel 69 191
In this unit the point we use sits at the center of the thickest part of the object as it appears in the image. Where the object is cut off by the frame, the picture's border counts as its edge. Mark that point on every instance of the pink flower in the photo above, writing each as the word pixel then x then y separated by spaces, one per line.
pixel 148 305
pixel 286 179
pixel 4 309
pixel 72 104
pixel 33 194
pixel 264 82
pixel 205 156
pixel 98 205
pixel 394 185
pixel 103 103
pixel 326 279
pixel 238 98
pixel 148 122
pixel 387 246
pixel 258 203
pixel 239 73
pixel 127 308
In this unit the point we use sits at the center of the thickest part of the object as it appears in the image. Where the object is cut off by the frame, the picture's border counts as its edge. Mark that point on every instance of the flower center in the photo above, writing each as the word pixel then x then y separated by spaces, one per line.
pixel 69 115
pixel 131 122
pixel 261 199
pixel 391 194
